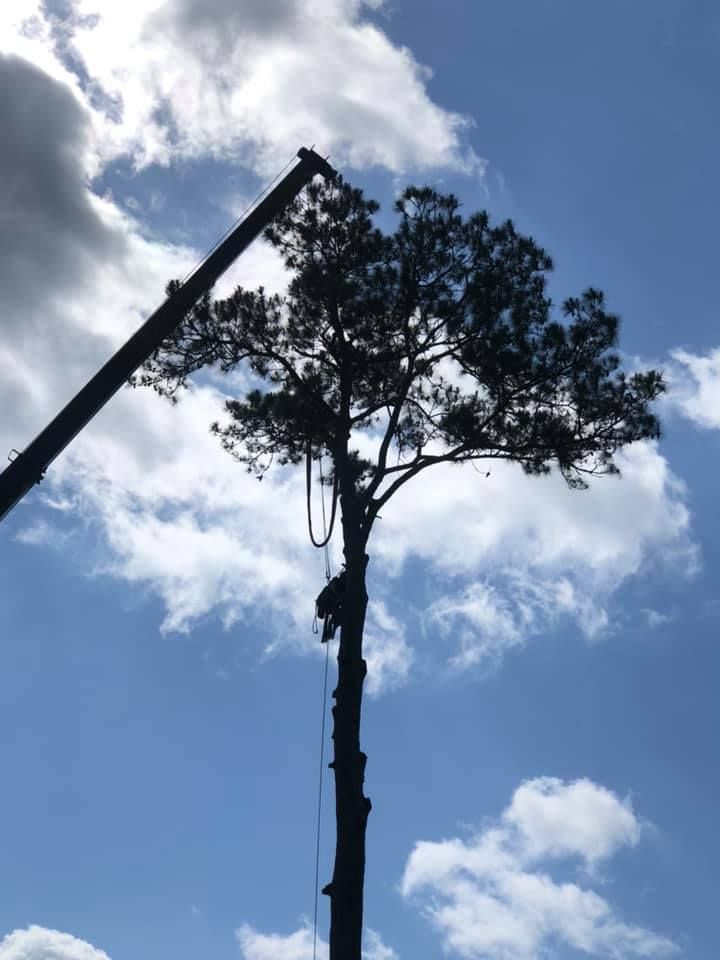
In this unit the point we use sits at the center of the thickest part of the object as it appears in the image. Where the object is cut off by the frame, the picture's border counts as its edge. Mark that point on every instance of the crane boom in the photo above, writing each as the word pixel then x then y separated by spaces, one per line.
pixel 29 467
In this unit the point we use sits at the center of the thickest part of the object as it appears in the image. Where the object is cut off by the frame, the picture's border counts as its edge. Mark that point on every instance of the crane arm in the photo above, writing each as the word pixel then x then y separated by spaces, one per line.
pixel 29 467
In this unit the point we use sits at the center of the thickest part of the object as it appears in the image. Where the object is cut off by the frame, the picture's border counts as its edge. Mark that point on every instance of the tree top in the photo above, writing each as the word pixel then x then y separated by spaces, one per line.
pixel 439 340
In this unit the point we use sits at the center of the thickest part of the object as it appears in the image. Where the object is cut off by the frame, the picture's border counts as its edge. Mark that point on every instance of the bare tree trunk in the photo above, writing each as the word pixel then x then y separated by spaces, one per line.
pixel 352 807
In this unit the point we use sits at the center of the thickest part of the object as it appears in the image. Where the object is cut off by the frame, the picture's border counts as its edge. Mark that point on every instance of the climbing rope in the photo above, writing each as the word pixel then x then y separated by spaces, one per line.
pixel 324 521
pixel 319 803
pixel 324 544
pixel 327 534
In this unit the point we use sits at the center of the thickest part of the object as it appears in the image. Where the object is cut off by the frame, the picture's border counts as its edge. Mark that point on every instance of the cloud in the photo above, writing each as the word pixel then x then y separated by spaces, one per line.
pixel 39 943
pixel 556 819
pixel 655 618
pixel 41 533
pixel 299 945
pixel 175 79
pixel 487 619
pixel 388 655
pixel 493 896
pixel 76 274
pixel 694 386
pixel 51 226
pixel 275 946
pixel 173 514
pixel 375 949
pixel 79 273
pixel 181 519
pixel 609 530
pixel 510 555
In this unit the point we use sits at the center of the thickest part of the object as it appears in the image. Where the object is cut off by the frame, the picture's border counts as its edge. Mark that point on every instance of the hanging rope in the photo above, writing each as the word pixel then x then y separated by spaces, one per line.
pixel 319 803
pixel 324 522
pixel 326 539
pixel 308 483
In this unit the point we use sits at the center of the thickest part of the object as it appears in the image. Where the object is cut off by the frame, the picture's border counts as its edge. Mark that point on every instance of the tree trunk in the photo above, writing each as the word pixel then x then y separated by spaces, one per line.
pixel 351 805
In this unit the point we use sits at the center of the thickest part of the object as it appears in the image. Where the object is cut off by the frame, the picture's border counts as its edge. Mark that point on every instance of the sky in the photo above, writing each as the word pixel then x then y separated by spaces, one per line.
pixel 541 706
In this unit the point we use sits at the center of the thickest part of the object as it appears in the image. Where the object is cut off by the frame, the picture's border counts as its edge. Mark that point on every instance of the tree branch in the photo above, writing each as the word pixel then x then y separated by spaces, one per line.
pixel 405 385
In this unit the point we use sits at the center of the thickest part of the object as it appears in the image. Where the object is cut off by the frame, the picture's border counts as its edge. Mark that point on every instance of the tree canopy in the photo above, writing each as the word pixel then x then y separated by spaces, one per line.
pixel 440 338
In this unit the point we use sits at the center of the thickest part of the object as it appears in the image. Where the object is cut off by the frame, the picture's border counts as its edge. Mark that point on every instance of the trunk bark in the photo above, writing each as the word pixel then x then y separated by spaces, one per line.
pixel 352 807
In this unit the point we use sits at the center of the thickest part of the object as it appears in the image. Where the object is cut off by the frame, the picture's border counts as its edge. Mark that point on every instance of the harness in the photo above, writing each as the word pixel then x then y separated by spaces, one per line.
pixel 329 604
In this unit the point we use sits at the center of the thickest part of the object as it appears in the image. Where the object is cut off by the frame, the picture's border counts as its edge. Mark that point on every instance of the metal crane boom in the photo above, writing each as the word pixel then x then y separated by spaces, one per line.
pixel 29 467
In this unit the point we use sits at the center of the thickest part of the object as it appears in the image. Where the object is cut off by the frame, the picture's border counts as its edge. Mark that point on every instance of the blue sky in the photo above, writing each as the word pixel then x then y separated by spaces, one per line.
pixel 542 708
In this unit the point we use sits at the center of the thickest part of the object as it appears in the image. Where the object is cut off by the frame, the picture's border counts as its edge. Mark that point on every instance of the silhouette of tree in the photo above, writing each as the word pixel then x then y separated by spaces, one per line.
pixel 440 341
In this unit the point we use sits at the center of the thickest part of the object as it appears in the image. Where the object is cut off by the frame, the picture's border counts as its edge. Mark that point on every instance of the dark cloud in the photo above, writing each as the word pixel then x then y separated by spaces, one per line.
pixel 52 244
pixel 50 233
pixel 252 16
pixel 212 28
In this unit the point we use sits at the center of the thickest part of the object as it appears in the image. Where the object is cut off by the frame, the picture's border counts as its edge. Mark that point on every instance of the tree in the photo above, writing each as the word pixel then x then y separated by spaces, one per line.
pixel 438 339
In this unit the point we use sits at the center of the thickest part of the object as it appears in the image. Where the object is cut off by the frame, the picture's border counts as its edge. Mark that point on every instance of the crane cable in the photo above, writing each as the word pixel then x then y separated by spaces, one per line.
pixel 266 189
pixel 326 540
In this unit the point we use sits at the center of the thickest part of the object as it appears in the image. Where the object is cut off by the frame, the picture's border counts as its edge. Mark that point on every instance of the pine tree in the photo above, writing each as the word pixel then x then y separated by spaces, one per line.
pixel 441 342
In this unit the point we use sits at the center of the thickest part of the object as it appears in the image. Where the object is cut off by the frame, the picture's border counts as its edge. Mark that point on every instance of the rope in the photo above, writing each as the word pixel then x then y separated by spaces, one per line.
pixel 327 534
pixel 326 539
pixel 319 803
pixel 308 480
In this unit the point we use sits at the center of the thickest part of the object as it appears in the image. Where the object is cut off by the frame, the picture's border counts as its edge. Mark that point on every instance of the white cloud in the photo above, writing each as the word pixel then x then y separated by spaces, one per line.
pixel 275 946
pixel 375 949
pixel 299 945
pixel 556 819
pixel 694 386
pixel 512 553
pixel 609 530
pixel 655 618
pixel 493 897
pixel 39 943
pixel 251 81
pixel 41 533
pixel 388 655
